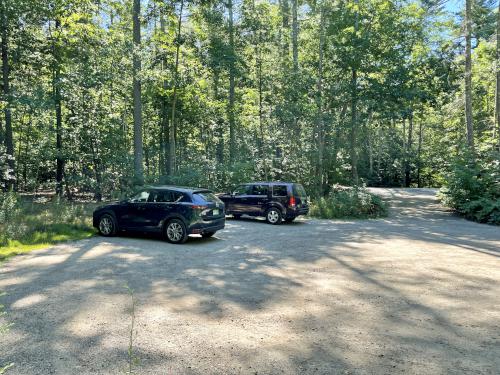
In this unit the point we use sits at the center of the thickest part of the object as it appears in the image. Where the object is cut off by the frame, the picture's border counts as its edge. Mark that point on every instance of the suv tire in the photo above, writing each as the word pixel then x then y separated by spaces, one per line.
pixel 107 225
pixel 273 216
pixel 175 231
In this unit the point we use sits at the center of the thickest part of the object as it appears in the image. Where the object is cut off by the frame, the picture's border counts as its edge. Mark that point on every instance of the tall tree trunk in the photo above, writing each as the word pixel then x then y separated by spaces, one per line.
pixel 295 36
pixel 138 152
pixel 262 147
pixel 408 151
pixel 8 136
pixel 321 138
pixel 231 114
pixel 164 117
pixel 419 151
pixel 354 114
pixel 220 123
pixel 370 142
pixel 468 75
pixel 295 55
pixel 354 127
pixel 58 113
pixel 497 89
pixel 172 133
pixel 285 16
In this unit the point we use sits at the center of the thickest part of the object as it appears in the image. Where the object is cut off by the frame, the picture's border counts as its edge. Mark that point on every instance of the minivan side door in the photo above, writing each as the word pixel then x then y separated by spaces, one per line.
pixel 258 199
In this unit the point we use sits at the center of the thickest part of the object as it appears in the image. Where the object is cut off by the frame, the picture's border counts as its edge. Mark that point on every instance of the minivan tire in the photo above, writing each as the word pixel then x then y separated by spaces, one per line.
pixel 175 231
pixel 273 216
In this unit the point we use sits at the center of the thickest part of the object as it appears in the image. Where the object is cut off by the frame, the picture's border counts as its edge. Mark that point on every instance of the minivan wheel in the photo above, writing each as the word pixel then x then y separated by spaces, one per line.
pixel 107 225
pixel 175 231
pixel 273 216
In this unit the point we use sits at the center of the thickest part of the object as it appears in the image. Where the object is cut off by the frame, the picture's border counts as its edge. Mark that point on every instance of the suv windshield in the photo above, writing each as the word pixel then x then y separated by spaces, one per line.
pixel 208 196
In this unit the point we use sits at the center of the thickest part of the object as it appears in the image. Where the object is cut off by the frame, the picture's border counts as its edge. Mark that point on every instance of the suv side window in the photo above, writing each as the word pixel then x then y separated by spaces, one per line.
pixel 280 191
pixel 242 190
pixel 140 197
pixel 260 190
pixel 165 196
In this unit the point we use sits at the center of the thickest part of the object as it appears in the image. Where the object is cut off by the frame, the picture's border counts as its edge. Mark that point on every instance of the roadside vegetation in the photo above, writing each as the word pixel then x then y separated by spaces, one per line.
pixel 27 224
pixel 473 188
pixel 345 202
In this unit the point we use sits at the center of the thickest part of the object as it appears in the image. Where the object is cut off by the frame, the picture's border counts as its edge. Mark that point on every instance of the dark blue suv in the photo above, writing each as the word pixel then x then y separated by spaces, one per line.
pixel 273 200
pixel 174 211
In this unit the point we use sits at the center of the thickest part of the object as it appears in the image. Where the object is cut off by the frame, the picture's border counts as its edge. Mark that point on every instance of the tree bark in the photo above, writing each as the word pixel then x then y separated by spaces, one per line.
pixel 8 136
pixel 231 115
pixel 468 75
pixel 138 151
pixel 172 133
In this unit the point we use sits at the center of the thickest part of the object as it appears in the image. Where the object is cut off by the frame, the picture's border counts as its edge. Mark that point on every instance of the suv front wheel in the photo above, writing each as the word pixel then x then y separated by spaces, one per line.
pixel 273 216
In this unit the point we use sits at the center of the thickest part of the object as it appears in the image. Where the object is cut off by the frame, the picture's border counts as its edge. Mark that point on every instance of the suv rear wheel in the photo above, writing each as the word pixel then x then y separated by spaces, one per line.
pixel 273 216
pixel 175 231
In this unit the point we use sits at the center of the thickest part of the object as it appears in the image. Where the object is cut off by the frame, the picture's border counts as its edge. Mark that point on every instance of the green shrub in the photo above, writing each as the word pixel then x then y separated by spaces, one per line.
pixel 472 188
pixel 349 203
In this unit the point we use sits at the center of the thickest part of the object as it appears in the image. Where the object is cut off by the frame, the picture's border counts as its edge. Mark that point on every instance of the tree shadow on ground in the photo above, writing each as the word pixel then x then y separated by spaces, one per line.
pixel 319 296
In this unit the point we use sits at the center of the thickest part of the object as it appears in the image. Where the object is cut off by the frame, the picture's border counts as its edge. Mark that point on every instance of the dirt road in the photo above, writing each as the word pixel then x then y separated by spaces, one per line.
pixel 418 293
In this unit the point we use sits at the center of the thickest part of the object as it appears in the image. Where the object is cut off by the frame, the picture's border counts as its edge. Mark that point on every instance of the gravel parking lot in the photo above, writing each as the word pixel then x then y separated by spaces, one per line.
pixel 417 292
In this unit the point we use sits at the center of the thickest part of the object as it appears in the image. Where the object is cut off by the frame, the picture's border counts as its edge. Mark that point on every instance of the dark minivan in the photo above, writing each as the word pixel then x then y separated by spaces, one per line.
pixel 174 211
pixel 273 200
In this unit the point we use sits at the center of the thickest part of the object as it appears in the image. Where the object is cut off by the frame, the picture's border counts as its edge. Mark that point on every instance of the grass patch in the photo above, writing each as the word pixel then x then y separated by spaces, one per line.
pixel 39 240
pixel 349 203
pixel 27 225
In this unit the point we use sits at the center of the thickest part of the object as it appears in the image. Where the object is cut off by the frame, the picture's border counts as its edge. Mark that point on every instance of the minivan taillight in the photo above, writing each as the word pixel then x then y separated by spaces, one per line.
pixel 291 202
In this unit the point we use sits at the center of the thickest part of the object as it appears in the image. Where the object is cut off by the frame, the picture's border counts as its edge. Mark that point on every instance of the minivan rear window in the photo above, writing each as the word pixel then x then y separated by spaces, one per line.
pixel 208 196
pixel 280 191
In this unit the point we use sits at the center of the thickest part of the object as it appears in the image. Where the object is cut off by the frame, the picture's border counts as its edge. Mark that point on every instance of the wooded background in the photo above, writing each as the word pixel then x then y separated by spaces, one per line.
pixel 99 96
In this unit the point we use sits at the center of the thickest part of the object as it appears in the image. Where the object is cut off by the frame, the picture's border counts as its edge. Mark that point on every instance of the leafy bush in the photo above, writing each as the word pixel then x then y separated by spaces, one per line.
pixel 473 188
pixel 344 202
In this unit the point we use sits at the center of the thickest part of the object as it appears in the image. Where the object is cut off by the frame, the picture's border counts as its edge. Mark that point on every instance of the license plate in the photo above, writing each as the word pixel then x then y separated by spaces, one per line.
pixel 215 212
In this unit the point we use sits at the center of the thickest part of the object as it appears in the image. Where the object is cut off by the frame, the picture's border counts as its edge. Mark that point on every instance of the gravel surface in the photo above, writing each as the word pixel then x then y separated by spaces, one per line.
pixel 417 293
